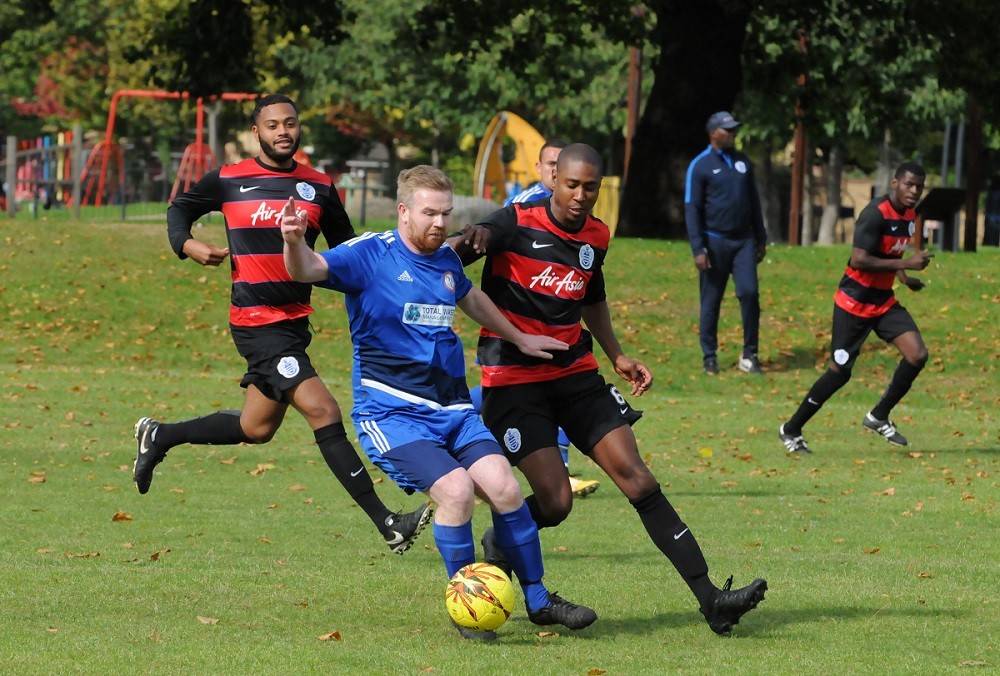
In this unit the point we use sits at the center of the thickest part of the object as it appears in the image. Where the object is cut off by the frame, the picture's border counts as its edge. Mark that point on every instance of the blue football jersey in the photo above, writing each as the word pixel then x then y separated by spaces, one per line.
pixel 401 305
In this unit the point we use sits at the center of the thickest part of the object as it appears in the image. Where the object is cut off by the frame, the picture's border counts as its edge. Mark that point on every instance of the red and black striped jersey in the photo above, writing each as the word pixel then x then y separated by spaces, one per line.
pixel 540 275
pixel 250 196
pixel 883 232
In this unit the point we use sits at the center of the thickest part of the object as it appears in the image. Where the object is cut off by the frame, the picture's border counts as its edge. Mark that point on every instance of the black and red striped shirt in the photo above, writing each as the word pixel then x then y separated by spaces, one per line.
pixel 540 275
pixel 885 233
pixel 250 196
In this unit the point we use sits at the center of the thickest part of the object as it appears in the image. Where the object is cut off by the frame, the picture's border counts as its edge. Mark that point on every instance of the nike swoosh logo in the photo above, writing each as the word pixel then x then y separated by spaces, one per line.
pixel 716 171
pixel 536 245
pixel 244 188
pixel 624 410
pixel 362 469
pixel 810 400
pixel 678 536
pixel 144 446
pixel 396 540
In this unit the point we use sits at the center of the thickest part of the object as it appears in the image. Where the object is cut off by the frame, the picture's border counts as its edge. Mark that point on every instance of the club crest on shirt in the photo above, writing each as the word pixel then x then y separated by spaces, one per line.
pixel 305 191
pixel 740 166
pixel 913 228
pixel 586 256
pixel 449 281
pixel 512 439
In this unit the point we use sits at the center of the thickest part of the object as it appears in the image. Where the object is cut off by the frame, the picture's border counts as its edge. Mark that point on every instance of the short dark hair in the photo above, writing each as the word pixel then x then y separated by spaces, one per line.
pixel 910 168
pixel 579 152
pixel 270 100
pixel 422 176
pixel 551 143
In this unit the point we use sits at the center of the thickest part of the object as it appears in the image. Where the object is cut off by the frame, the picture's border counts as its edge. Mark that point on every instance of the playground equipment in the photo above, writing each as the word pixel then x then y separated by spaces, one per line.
pixel 196 160
pixel 493 170
pixel 40 171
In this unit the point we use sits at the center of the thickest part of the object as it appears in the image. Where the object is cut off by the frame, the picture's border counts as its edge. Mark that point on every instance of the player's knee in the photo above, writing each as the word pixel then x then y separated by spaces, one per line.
pixel 553 515
pixel 259 434
pixel 839 373
pixel 506 494
pixel 453 491
pixel 919 360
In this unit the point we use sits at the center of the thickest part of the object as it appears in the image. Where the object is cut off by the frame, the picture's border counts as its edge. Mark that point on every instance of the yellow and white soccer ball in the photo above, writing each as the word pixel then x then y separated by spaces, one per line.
pixel 480 597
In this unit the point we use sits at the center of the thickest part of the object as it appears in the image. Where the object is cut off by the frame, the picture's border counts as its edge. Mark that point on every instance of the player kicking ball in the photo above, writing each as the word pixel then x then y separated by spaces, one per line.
pixel 412 410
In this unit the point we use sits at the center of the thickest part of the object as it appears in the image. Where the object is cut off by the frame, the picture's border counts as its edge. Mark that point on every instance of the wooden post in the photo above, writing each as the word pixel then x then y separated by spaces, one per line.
pixel 799 160
pixel 974 175
pixel 76 155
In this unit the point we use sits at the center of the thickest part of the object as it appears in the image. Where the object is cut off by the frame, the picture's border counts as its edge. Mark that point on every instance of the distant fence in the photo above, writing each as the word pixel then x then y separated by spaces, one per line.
pixel 45 175
pixel 43 171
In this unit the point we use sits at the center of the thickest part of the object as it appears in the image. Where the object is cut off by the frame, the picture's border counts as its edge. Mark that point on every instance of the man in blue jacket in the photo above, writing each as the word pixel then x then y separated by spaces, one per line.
pixel 726 230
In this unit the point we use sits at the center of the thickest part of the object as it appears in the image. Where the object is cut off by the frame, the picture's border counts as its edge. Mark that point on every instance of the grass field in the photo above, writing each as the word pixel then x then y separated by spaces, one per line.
pixel 244 559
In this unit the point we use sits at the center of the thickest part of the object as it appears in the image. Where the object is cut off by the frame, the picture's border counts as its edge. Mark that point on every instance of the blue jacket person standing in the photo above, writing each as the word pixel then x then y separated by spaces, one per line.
pixel 726 231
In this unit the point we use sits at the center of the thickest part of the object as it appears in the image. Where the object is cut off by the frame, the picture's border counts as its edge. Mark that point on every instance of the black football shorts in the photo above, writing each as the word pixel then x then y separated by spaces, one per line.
pixel 851 331
pixel 276 356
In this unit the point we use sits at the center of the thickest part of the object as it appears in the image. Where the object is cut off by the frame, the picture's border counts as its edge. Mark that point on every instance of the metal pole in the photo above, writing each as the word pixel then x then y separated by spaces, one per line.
pixel 77 162
pixel 11 173
pixel 945 151
pixel 364 194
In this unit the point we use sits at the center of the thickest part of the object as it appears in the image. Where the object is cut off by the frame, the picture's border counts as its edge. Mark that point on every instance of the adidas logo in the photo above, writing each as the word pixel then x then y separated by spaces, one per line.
pixel 405 277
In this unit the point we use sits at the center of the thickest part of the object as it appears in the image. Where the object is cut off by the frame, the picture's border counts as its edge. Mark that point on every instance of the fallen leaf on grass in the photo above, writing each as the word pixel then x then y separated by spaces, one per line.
pixel 973 663
pixel 228 461
pixel 296 487
pixel 51 630
pixel 264 541
pixel 177 491
pixel 121 516
pixel 705 452
pixel 36 478
pixel 596 672
pixel 82 555
pixel 729 484
pixel 560 548
pixel 548 634
pixel 914 454
pixel 873 550
pixel 335 635
pixel 968 497
pixel 261 468
pixel 924 576
pixel 155 556
pixel 888 491
pixel 208 620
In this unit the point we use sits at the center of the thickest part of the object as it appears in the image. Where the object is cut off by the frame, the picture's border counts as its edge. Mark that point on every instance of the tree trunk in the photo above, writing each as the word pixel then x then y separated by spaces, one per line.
pixel 698 73
pixel 831 212
pixel 808 191
pixel 769 202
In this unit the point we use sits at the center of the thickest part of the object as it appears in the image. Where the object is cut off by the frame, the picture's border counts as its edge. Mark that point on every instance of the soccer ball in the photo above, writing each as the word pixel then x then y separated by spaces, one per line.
pixel 479 597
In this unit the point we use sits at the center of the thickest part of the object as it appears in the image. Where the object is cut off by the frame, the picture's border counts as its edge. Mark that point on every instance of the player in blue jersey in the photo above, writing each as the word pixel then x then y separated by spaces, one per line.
pixel 412 410
pixel 546 168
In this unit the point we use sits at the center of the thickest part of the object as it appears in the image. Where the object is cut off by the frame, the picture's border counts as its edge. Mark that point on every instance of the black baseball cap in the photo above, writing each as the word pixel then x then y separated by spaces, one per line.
pixel 722 119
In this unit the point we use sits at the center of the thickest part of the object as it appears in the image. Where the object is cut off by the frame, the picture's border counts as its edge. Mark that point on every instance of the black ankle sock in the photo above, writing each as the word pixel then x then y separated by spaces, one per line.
pixel 350 471
pixel 900 384
pixel 219 428
pixel 824 388
pixel 676 541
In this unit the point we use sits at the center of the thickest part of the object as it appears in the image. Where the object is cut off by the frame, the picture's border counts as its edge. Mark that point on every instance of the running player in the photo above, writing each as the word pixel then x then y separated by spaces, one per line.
pixel 865 302
pixel 269 315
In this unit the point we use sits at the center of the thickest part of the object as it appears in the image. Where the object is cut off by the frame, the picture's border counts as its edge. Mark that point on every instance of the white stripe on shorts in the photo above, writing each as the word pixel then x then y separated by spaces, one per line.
pixel 370 427
pixel 413 399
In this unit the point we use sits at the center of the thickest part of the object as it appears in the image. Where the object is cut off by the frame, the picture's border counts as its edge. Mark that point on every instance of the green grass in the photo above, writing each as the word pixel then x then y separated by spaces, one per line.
pixel 878 558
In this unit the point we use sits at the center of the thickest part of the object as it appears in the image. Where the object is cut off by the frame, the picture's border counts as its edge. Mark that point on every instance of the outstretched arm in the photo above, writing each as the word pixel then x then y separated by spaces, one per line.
pixel 598 320
pixel 481 309
pixel 302 263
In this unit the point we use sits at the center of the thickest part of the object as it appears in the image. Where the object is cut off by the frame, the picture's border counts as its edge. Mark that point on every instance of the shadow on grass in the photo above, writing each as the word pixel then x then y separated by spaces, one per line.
pixel 760 623
pixel 792 359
